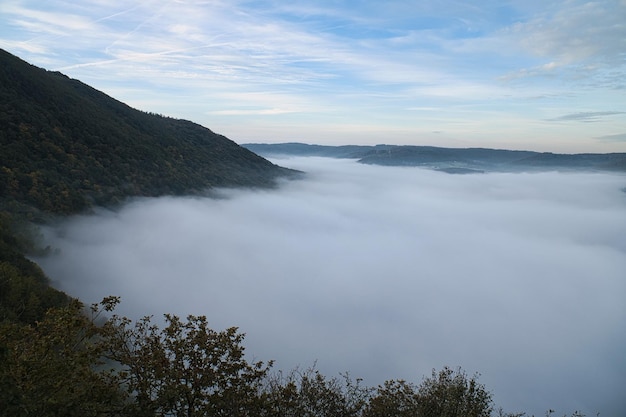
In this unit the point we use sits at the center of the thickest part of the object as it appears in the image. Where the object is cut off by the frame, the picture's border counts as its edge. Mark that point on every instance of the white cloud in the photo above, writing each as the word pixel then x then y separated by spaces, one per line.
pixel 586 34
pixel 387 273
pixel 54 23
pixel 264 112
pixel 588 116
pixel 588 30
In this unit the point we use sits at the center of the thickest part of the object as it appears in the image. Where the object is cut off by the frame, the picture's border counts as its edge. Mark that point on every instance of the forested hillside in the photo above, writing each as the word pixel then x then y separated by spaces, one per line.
pixel 66 146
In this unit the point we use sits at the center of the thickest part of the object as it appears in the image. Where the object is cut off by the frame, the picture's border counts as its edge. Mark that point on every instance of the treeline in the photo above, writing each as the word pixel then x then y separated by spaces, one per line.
pixel 77 362
pixel 91 362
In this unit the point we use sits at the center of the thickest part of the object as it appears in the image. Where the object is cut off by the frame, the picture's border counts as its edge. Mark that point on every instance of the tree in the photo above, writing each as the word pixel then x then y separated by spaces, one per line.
pixel 25 295
pixel 395 398
pixel 453 394
pixel 54 367
pixel 184 369
pixel 445 394
pixel 72 363
pixel 308 393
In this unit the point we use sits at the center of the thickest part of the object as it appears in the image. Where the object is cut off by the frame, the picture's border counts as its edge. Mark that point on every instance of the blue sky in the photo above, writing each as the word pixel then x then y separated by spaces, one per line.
pixel 527 74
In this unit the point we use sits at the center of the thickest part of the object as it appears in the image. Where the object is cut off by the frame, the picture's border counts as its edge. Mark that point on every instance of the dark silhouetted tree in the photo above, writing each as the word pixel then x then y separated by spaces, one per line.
pixel 451 393
pixel 54 367
pixel 446 393
pixel 395 398
pixel 184 369
pixel 308 393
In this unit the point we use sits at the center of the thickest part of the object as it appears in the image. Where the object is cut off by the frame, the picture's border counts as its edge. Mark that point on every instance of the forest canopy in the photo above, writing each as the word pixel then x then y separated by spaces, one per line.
pixel 81 362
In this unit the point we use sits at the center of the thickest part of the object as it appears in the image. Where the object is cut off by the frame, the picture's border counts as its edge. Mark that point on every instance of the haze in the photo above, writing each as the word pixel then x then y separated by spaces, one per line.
pixel 386 273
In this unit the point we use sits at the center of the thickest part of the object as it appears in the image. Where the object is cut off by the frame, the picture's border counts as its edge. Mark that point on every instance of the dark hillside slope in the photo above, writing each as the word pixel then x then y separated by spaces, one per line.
pixel 66 146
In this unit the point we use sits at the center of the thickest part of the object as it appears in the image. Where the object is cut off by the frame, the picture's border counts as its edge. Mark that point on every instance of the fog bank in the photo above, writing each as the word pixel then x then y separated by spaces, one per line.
pixel 386 272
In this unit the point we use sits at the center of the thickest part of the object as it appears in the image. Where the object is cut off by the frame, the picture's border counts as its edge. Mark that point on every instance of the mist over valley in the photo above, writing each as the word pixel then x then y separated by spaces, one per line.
pixel 385 272
pixel 120 176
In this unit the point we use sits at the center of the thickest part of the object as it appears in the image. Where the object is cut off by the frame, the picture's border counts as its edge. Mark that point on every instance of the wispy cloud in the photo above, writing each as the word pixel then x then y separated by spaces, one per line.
pixel 620 137
pixel 584 31
pixel 580 40
pixel 589 116
pixel 48 22
pixel 238 112
pixel 386 56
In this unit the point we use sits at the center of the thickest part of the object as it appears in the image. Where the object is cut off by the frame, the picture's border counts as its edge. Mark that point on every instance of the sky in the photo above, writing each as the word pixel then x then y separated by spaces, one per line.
pixel 387 273
pixel 517 74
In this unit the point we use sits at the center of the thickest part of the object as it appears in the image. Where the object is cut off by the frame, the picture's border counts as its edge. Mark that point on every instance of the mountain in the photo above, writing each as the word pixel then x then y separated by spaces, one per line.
pixel 66 146
pixel 303 149
pixel 451 160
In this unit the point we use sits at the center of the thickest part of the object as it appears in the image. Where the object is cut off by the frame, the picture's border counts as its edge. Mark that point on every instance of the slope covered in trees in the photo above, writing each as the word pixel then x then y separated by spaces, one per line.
pixel 25 295
pixel 66 146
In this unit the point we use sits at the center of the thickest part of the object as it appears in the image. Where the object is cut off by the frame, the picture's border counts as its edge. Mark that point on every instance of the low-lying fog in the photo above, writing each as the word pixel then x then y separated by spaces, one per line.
pixel 386 273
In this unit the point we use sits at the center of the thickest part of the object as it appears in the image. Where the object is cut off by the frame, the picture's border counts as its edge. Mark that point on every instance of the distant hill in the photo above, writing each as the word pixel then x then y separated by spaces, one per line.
pixel 303 149
pixel 451 160
pixel 65 146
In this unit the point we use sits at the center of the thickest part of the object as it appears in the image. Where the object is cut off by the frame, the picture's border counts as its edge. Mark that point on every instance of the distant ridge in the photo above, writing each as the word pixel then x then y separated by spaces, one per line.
pixel 451 160
pixel 65 146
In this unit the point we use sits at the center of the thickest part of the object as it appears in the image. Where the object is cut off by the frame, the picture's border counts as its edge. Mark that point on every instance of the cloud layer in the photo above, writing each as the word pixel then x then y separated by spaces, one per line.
pixel 387 273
